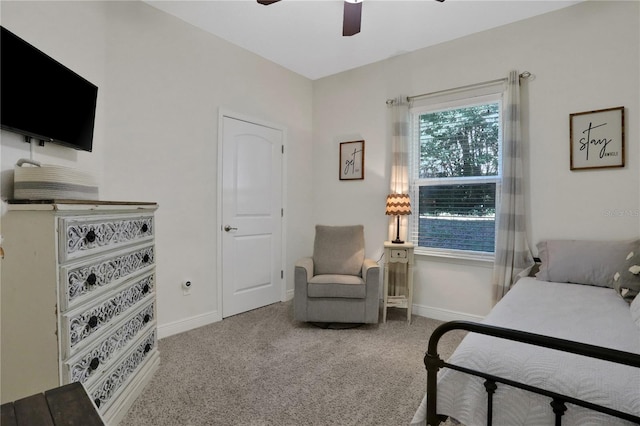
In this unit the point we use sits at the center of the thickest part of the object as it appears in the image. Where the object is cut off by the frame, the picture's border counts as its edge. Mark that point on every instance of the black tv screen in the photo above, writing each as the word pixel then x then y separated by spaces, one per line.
pixel 43 99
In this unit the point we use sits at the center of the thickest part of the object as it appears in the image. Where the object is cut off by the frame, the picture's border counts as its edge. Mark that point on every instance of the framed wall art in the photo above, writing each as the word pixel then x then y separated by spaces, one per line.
pixel 352 160
pixel 597 139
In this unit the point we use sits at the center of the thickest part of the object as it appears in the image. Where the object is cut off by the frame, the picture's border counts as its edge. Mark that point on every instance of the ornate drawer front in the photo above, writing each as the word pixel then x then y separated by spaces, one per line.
pixel 116 378
pixel 88 364
pixel 81 324
pixel 81 236
pixel 399 254
pixel 78 281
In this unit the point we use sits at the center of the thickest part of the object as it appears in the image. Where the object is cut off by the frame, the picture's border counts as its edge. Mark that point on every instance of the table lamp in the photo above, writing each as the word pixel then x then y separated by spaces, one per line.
pixel 398 205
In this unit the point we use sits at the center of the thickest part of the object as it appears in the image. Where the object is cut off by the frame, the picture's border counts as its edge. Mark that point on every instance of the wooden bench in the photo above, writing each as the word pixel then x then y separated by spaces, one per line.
pixel 67 405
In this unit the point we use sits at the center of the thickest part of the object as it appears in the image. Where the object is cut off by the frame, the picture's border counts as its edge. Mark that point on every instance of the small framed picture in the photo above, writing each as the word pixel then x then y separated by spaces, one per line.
pixel 352 160
pixel 597 139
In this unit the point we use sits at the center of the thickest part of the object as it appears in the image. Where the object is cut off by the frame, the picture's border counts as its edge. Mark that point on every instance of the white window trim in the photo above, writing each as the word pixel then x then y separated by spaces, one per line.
pixel 472 98
pixel 462 180
pixel 455 254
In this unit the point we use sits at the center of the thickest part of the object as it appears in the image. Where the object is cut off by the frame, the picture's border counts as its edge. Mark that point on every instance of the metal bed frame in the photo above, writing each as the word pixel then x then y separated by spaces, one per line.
pixel 433 363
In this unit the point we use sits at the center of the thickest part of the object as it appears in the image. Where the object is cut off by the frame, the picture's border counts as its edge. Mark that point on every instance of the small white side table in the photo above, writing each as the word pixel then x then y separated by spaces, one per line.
pixel 398 253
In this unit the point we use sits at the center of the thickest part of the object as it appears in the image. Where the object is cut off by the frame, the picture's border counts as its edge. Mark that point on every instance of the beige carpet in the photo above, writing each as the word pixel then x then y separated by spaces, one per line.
pixel 263 368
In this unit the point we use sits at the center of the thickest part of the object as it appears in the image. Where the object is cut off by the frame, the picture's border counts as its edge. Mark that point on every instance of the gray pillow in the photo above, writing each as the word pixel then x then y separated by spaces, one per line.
pixel 584 262
pixel 338 250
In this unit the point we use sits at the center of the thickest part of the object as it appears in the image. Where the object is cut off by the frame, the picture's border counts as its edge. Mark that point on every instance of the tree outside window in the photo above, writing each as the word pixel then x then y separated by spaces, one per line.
pixel 456 173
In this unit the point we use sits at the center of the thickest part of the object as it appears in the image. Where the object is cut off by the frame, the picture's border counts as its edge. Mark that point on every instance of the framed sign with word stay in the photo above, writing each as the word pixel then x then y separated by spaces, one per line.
pixel 597 138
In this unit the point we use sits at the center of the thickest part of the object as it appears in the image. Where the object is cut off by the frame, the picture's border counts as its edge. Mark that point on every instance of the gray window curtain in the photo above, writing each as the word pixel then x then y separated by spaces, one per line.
pixel 399 115
pixel 513 257
pixel 399 111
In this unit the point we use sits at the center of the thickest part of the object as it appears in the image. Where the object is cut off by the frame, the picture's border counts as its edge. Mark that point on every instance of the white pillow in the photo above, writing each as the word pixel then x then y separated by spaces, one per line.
pixel 627 280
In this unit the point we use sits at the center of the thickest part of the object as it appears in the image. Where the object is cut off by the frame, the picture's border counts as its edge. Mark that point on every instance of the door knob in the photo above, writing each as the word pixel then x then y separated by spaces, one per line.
pixel 229 228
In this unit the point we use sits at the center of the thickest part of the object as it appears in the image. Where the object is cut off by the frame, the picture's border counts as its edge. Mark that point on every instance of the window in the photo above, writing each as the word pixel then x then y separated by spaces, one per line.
pixel 455 176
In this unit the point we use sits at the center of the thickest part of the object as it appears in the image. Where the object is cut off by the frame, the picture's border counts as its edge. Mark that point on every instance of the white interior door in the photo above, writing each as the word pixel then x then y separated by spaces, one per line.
pixel 251 215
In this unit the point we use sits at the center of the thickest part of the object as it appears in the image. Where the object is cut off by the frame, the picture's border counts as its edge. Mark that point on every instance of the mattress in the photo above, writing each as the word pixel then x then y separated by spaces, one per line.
pixel 35 181
pixel 588 314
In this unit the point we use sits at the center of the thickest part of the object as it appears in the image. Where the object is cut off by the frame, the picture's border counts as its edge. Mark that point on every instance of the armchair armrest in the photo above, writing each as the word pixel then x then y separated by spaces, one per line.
pixel 304 266
pixel 367 265
pixel 303 271
pixel 371 276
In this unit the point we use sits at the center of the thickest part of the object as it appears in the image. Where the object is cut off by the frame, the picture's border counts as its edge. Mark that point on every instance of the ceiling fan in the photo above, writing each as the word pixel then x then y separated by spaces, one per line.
pixel 351 17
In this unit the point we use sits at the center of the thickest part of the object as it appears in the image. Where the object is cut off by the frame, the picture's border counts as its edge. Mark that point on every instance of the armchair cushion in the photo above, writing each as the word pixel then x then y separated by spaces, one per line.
pixel 347 286
pixel 338 250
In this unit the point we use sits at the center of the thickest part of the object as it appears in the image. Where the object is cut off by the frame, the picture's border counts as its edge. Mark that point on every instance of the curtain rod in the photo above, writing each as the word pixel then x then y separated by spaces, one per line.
pixel 525 74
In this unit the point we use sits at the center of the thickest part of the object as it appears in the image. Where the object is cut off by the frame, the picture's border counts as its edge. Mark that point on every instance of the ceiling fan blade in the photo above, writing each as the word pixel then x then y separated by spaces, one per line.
pixel 268 2
pixel 352 17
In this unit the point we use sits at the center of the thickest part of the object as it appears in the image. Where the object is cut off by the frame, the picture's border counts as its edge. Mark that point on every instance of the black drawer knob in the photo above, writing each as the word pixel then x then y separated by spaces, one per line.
pixel 93 322
pixel 147 347
pixel 146 318
pixel 145 289
pixel 94 363
pixel 144 228
pixel 146 258
pixel 91 236
pixel 91 279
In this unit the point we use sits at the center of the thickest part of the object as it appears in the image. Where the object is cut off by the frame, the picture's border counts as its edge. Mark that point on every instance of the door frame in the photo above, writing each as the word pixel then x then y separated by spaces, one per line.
pixel 222 113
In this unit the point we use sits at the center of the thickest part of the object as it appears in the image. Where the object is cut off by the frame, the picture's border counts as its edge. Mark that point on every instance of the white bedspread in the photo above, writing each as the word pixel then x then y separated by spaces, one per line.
pixel 586 314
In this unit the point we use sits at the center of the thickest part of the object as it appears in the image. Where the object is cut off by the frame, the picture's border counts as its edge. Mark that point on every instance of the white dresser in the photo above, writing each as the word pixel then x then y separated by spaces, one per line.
pixel 78 300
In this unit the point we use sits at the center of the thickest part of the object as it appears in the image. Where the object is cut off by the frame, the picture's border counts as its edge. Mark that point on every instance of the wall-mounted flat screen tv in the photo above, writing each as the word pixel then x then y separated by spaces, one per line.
pixel 43 99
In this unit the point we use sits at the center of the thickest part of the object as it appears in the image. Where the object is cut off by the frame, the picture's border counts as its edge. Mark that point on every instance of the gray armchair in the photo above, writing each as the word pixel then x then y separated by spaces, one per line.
pixel 337 284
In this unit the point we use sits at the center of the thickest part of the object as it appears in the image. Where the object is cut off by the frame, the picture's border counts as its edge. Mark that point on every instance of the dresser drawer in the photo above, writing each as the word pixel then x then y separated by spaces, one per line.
pixel 80 324
pixel 86 365
pixel 398 254
pixel 81 281
pixel 114 380
pixel 86 235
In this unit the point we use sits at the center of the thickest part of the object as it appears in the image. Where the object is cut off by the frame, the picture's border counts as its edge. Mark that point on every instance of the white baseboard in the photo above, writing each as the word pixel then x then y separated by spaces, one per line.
pixel 180 326
pixel 288 295
pixel 444 314
pixel 166 330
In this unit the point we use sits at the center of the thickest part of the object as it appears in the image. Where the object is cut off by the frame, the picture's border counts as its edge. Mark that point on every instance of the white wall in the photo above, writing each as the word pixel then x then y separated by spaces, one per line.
pixel 167 81
pixel 161 84
pixel 583 58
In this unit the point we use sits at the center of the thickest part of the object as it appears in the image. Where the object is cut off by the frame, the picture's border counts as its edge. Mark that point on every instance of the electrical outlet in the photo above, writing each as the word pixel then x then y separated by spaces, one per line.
pixel 186 288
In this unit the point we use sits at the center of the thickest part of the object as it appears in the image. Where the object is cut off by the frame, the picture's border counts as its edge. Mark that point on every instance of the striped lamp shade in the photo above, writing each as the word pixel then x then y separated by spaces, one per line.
pixel 398 204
